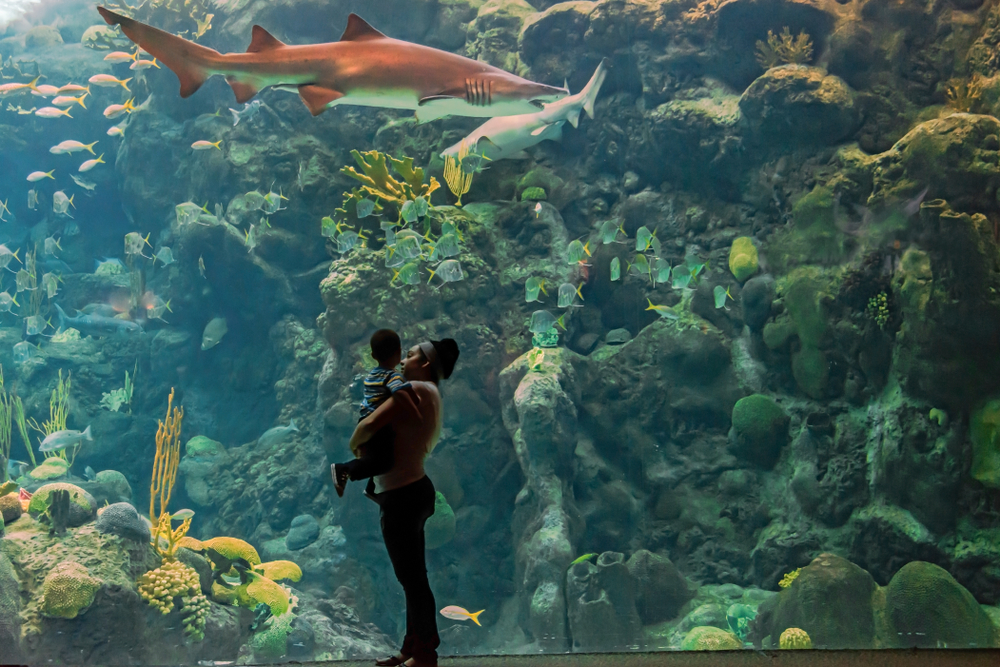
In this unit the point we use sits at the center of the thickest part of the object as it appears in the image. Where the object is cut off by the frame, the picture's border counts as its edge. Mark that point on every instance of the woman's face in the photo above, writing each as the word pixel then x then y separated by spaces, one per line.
pixel 414 364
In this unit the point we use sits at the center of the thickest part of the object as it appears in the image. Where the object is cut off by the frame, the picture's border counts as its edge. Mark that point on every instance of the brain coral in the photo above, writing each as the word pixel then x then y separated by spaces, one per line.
pixel 10 508
pixel 123 519
pixel 68 590
pixel 708 638
pixel 795 638
pixel 926 607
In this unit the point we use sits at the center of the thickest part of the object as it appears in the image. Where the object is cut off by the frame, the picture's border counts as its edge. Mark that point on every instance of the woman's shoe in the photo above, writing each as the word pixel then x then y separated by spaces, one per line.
pixel 414 662
pixel 391 661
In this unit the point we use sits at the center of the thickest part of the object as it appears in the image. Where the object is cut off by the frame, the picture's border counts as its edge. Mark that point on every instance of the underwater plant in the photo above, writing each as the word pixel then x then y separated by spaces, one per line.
pixel 113 400
pixel 58 410
pixel 965 96
pixel 784 49
pixel 378 182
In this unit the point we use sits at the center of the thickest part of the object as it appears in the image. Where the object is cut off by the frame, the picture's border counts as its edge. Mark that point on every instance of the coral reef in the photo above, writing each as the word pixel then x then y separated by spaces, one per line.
pixel 68 590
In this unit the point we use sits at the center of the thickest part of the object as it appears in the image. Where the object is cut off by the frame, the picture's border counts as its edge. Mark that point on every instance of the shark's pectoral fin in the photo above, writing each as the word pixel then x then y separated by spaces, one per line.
pixel 539 130
pixel 263 41
pixel 433 107
pixel 317 98
pixel 244 91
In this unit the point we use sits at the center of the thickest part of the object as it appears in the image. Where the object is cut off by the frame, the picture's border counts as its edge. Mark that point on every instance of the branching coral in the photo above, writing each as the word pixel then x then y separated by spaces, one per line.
pixel 168 456
pixel 783 49
pixel 173 579
pixel 378 182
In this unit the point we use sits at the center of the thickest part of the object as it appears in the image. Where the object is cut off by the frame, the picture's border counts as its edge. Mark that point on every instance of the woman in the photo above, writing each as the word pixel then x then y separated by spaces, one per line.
pixel 406 495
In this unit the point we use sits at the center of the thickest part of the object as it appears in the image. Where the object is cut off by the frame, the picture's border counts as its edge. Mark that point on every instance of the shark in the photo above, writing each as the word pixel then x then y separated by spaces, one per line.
pixel 96 325
pixel 364 68
pixel 507 137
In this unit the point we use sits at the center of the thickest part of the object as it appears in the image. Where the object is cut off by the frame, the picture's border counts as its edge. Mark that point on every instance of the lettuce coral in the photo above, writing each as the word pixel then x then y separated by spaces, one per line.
pixel 232 547
pixel 280 569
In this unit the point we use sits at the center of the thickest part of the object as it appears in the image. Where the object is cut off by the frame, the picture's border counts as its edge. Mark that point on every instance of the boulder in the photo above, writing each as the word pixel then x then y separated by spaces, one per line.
pixel 759 431
pixel 661 590
pixel 796 105
pixel 600 604
pixel 831 599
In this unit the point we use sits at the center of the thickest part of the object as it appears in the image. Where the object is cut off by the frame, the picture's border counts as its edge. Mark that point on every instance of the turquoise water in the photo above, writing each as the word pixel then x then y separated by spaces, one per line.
pixel 723 277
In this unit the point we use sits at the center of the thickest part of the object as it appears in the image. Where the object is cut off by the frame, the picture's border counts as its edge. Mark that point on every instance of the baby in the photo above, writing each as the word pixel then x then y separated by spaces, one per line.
pixel 375 457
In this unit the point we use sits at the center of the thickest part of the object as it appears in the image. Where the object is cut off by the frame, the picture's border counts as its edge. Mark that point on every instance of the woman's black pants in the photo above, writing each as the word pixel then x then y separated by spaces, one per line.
pixel 402 516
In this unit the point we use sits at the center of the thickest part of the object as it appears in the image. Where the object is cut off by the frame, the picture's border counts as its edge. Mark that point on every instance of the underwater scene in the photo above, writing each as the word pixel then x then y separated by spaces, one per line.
pixel 492 327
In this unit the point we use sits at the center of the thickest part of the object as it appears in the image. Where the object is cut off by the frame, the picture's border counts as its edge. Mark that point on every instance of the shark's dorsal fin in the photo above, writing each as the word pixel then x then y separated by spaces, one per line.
pixel 358 30
pixel 263 41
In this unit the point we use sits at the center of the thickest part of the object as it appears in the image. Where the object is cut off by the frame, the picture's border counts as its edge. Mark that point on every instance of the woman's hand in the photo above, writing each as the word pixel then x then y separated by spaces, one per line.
pixel 369 426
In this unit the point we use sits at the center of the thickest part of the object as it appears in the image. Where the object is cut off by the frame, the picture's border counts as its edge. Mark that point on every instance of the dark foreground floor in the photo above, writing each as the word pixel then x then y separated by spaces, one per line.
pixel 914 658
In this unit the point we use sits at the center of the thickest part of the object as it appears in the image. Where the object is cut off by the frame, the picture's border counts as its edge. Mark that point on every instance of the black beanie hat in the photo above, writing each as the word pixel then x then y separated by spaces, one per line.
pixel 447 352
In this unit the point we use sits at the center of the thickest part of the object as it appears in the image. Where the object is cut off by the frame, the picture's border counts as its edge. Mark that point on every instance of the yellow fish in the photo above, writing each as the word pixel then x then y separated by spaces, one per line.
pixel 460 614
pixel 205 145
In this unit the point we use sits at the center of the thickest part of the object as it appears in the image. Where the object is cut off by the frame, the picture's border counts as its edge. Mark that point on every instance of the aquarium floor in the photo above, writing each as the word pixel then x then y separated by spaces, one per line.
pixel 904 658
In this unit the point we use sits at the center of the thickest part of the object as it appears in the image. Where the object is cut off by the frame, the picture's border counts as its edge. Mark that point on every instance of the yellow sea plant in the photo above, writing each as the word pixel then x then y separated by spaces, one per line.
pixel 789 578
pixel 377 181
pixel 783 49
pixel 458 181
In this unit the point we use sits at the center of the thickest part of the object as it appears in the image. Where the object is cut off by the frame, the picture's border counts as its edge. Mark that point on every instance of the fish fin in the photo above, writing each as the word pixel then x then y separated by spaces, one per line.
pixel 475 616
pixel 262 40
pixel 179 54
pixel 593 87
pixel 358 30
pixel 539 130
pixel 244 91
pixel 317 98
pixel 574 117
pixel 236 117
pixel 427 110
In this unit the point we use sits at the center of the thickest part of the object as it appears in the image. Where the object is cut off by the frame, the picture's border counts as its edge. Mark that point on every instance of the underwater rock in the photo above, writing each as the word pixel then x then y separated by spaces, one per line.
pixel 440 527
pixel 42 37
pixel 304 531
pixel 984 431
pixel 759 431
pixel 743 260
pixel 600 604
pixel 710 638
pixel 123 519
pixel 617 337
pixel 10 608
pixel 831 600
pixel 884 537
pixel 755 301
pixel 661 590
pixel 81 506
pixel 951 155
pixel 201 462
pixel 115 485
pixel 925 607
pixel 795 105
pixel 541 419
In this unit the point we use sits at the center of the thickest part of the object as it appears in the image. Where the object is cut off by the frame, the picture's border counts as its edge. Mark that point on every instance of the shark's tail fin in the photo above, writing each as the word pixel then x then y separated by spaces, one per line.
pixel 62 316
pixel 187 59
pixel 589 93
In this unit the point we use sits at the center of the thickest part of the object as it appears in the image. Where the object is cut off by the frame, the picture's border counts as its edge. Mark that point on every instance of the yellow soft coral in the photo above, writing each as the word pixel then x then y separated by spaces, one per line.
pixel 795 638
pixel 68 590
pixel 789 578
pixel 276 570
pixel 233 548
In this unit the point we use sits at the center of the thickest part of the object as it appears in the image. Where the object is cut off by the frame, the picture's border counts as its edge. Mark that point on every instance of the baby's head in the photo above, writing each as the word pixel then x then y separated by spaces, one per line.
pixel 386 348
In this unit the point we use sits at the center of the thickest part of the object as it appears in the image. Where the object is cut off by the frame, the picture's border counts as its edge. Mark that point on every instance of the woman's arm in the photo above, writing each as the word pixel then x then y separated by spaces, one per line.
pixel 367 427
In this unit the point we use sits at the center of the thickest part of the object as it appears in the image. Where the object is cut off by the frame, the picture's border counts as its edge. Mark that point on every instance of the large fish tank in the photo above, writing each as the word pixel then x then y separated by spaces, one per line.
pixel 730 349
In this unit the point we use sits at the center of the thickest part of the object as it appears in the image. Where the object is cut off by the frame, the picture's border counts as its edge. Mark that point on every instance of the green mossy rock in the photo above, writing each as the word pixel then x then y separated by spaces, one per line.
pixel 440 528
pixel 813 238
pixel 743 260
pixel 832 601
pixel 811 371
pixel 534 193
pixel 709 638
pixel 82 505
pixel 925 607
pixel 984 430
pixel 760 430
pixel 203 446
pixel 51 468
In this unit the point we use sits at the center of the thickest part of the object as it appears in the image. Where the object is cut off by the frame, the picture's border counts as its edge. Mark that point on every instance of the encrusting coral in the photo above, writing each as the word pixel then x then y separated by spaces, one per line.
pixel 68 590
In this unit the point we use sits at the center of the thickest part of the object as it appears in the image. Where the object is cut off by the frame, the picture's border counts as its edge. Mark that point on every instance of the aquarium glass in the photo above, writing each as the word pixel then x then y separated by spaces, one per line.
pixel 657 325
